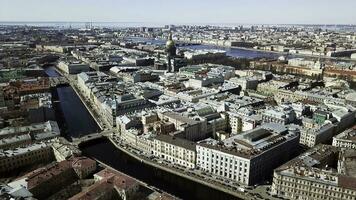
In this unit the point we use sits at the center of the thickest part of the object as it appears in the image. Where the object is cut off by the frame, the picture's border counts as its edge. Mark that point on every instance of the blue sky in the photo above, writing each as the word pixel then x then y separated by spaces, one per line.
pixel 182 11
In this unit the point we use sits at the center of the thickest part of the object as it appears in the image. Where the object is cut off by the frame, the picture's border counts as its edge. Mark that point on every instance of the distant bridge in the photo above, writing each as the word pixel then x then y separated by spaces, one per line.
pixel 58 81
pixel 92 136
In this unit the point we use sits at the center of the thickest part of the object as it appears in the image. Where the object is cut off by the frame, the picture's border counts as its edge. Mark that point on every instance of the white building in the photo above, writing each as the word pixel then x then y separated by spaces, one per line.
pixel 346 139
pixel 316 135
pixel 250 157
pixel 322 173
pixel 73 67
pixel 175 150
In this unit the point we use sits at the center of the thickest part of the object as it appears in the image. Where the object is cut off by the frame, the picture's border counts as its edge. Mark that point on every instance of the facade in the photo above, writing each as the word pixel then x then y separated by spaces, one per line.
pixel 20 157
pixel 109 184
pixel 50 179
pixel 282 115
pixel 192 129
pixel 41 131
pixel 250 157
pixel 12 137
pixel 316 135
pixel 73 67
pixel 175 150
pixel 346 139
pixel 323 173
pixel 17 141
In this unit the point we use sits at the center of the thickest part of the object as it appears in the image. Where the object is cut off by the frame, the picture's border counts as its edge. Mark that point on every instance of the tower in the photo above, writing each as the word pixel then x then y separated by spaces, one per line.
pixel 171 51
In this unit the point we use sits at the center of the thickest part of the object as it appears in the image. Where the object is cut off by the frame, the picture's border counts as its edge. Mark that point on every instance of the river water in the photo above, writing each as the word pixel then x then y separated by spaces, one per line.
pixel 233 52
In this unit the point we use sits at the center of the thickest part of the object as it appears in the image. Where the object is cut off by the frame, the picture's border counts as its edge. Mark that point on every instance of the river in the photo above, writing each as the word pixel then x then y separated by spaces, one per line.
pixel 233 52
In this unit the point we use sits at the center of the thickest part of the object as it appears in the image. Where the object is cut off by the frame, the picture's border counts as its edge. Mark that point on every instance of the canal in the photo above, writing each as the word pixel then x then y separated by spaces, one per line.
pixel 107 153
pixel 76 121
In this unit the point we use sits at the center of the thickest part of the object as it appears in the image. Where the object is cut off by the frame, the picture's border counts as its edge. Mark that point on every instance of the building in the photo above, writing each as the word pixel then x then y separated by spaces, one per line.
pixel 250 157
pixel 25 156
pixel 50 179
pixel 144 76
pixel 73 66
pixel 323 173
pixel 316 135
pixel 282 115
pixel 16 141
pixel 12 137
pixel 346 139
pixel 204 55
pixel 63 149
pixel 189 128
pixel 175 150
pixel 38 131
pixel 109 184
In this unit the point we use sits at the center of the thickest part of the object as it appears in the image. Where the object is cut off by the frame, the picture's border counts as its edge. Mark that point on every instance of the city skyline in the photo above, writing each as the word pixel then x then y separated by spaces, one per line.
pixel 183 12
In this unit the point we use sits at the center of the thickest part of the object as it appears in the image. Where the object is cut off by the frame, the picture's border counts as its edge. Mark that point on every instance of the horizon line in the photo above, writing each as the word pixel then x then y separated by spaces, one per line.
pixel 176 23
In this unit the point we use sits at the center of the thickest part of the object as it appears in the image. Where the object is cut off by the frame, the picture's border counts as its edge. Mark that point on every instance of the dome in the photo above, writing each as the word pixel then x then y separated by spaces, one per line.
pixel 170 43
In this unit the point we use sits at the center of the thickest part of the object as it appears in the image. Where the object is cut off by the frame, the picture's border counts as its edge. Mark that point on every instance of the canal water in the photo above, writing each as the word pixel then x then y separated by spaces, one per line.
pixel 76 120
pixel 106 152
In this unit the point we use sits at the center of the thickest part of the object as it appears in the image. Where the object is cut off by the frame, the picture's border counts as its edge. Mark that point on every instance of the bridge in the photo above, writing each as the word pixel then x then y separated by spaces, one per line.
pixel 58 81
pixel 92 136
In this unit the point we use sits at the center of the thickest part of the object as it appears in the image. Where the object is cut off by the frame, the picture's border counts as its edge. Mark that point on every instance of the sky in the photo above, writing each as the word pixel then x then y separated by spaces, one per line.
pixel 182 11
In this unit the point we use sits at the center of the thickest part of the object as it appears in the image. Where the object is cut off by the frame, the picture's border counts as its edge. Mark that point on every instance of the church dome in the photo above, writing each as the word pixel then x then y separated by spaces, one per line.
pixel 170 43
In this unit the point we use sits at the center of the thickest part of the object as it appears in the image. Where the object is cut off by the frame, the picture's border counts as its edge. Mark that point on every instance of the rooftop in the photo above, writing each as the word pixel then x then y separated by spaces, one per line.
pixel 176 141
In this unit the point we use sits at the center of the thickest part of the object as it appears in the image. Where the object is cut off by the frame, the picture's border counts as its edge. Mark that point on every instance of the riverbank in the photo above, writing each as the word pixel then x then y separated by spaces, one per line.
pixel 277 53
pixel 139 181
pixel 187 175
pixel 75 117
pixel 87 105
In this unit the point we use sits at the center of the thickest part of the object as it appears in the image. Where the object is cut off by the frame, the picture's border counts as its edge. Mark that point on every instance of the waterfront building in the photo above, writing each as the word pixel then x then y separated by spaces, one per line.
pixel 73 66
pixel 204 55
pixel 141 141
pixel 250 157
pixel 175 150
pixel 109 184
pixel 323 172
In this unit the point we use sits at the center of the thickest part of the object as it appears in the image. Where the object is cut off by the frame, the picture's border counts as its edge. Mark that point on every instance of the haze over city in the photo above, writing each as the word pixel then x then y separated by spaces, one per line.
pixel 177 100
pixel 183 11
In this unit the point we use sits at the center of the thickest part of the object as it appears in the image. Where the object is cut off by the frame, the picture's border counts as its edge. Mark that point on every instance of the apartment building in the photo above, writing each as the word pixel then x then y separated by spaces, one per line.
pixel 323 173
pixel 175 150
pixel 249 157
